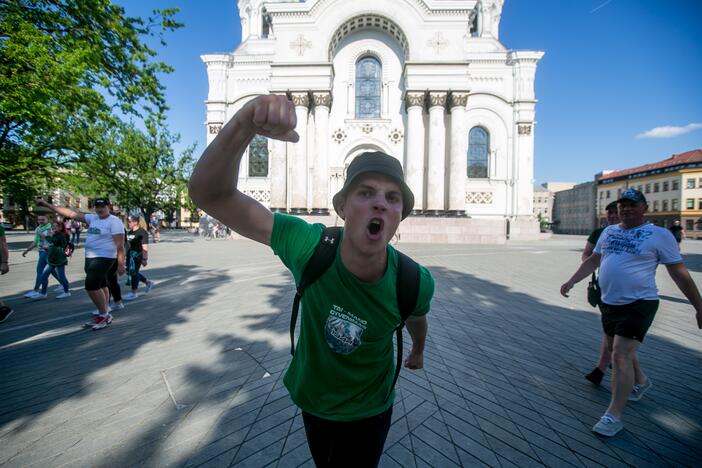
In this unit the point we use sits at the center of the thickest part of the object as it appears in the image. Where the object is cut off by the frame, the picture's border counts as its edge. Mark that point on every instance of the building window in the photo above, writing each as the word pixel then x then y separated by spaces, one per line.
pixel 674 204
pixel 690 183
pixel 608 195
pixel 676 185
pixel 258 157
pixel 640 189
pixel 478 150
pixel 665 186
pixel 689 225
pixel 665 205
pixel 601 195
pixel 690 203
pixel 699 183
pixel 619 193
pixel 655 205
pixel 656 187
pixel 699 203
pixel 648 188
pixel 368 73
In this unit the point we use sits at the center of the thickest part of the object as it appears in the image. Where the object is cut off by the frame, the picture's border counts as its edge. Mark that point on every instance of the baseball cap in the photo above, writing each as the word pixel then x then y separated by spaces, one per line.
pixel 381 163
pixel 102 201
pixel 632 195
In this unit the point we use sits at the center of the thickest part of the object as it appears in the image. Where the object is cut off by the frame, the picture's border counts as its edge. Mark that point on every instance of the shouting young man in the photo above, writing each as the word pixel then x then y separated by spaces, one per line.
pixel 342 372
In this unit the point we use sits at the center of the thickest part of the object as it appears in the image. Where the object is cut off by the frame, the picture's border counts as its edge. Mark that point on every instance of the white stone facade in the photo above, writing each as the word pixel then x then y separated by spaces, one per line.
pixel 442 72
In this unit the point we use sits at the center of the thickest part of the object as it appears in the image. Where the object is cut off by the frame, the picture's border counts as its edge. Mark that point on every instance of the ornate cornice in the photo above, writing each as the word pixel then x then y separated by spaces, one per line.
pixel 300 99
pixel 415 98
pixel 459 99
pixel 437 98
pixel 322 99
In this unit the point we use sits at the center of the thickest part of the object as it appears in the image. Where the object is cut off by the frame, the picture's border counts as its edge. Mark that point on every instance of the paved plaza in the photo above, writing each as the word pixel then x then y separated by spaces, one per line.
pixel 191 374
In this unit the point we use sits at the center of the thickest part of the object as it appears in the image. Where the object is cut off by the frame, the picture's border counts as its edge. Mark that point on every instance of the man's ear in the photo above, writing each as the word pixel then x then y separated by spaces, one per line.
pixel 340 211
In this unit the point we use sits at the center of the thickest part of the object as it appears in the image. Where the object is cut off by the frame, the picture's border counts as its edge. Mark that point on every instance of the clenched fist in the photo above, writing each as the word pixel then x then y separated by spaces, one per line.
pixel 272 116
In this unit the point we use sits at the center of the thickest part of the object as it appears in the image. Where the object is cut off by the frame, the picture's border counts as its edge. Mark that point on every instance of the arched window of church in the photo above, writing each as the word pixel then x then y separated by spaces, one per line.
pixel 478 151
pixel 258 157
pixel 368 73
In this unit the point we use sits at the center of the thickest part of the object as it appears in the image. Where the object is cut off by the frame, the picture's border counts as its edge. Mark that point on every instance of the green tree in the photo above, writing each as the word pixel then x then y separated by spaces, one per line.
pixel 66 66
pixel 136 168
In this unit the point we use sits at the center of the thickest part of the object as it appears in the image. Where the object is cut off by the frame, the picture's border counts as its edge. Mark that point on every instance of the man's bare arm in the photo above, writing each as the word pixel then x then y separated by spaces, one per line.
pixel 63 211
pixel 587 251
pixel 213 184
pixel 417 327
pixel 119 243
pixel 586 268
pixel 678 272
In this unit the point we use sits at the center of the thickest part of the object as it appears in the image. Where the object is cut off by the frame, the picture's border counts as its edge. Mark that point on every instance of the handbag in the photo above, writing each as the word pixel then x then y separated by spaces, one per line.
pixel 594 293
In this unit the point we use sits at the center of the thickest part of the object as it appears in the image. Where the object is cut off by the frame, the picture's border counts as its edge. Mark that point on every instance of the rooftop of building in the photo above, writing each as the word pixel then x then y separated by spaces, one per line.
pixel 693 156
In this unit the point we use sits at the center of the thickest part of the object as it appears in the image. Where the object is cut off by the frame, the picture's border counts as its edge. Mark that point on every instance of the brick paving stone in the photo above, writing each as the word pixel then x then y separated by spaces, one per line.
pixel 502 385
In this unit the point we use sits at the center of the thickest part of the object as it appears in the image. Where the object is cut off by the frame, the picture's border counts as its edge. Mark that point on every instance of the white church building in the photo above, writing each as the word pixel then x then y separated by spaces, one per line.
pixel 426 81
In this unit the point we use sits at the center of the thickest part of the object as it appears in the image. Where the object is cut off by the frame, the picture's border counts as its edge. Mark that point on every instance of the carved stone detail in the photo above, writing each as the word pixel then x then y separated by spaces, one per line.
pixel 214 128
pixel 479 198
pixel 438 98
pixel 322 99
pixel 415 99
pixel 459 99
pixel 395 135
pixel 263 196
pixel 339 135
pixel 524 129
pixel 301 44
pixel 367 128
pixel 438 42
pixel 301 99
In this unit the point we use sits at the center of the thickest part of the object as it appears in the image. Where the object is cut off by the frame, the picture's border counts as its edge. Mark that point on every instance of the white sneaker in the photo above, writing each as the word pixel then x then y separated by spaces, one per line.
pixel 63 295
pixel 58 288
pixel 130 296
pixel 30 294
pixel 149 284
pixel 38 296
pixel 117 306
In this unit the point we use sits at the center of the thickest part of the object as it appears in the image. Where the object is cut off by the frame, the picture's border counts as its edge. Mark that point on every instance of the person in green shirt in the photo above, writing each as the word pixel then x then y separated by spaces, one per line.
pixel 41 234
pixel 341 374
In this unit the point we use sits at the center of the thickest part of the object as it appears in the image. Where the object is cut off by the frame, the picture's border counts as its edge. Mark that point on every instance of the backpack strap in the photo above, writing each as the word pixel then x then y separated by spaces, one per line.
pixel 321 259
pixel 407 287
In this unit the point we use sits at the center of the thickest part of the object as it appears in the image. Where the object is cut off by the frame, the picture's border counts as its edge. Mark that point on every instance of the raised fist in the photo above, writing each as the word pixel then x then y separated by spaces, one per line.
pixel 272 116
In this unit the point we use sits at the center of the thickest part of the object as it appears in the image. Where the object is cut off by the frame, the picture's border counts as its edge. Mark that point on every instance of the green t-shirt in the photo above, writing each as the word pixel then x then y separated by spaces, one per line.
pixel 40 236
pixel 344 360
pixel 2 231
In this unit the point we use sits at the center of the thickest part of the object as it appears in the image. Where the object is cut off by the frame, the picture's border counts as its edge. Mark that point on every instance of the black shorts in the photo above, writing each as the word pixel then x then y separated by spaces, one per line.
pixel 629 320
pixel 97 272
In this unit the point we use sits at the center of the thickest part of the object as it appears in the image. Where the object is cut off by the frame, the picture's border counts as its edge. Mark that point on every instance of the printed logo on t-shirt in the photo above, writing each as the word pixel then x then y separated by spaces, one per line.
pixel 94 230
pixel 343 330
pixel 620 241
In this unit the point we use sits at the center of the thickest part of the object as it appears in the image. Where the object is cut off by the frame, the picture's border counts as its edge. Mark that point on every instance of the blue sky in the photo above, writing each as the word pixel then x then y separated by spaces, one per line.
pixel 613 70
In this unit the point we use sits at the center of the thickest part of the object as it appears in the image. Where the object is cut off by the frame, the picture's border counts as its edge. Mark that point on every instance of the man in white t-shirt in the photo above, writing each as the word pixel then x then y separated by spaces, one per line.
pixel 628 255
pixel 104 253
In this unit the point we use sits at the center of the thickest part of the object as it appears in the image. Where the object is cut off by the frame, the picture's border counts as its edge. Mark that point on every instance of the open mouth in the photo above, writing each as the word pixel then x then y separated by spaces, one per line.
pixel 375 226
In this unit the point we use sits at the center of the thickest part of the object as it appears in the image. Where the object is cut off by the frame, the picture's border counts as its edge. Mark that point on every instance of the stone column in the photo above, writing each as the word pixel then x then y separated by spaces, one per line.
pixel 436 172
pixel 414 166
pixel 298 156
pixel 277 174
pixel 458 165
pixel 320 185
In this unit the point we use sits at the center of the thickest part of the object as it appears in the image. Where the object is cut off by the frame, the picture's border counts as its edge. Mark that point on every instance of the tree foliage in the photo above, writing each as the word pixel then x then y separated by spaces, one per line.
pixel 66 66
pixel 136 168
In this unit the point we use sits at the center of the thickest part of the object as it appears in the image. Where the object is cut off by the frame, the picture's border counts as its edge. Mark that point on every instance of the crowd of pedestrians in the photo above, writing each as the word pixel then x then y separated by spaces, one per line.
pixel 111 251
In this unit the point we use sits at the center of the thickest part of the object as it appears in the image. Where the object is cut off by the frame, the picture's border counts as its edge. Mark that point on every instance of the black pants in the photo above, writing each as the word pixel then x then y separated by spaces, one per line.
pixel 356 444
pixel 113 284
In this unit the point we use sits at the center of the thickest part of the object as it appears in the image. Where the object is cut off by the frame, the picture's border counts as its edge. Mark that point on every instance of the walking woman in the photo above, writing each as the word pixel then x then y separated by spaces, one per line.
pixel 56 260
pixel 137 254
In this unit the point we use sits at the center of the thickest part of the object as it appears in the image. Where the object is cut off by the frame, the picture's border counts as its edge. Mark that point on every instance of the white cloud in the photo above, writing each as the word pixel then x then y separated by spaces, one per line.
pixel 669 131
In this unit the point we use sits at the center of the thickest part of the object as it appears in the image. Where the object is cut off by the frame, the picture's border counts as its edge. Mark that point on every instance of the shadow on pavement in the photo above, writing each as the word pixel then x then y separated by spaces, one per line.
pixel 503 383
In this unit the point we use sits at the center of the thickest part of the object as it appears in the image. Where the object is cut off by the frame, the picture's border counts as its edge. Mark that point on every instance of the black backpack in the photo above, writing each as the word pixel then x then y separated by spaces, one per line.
pixel 407 286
